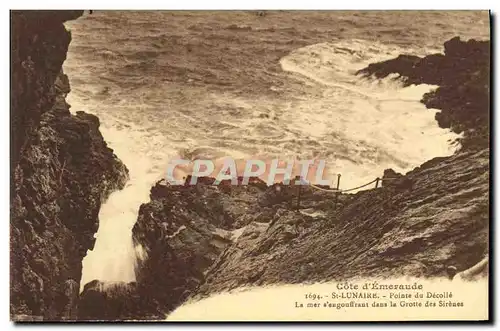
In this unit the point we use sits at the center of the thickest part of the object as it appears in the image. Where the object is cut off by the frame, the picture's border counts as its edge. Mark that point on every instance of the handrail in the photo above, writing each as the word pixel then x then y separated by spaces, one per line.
pixel 355 188
pixel 351 189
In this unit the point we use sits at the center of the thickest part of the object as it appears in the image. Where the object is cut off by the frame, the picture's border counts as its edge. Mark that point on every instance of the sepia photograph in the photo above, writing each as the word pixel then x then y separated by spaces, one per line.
pixel 250 165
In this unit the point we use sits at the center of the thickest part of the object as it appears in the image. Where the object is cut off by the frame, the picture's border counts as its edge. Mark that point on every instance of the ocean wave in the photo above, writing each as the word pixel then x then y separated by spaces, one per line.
pixel 191 89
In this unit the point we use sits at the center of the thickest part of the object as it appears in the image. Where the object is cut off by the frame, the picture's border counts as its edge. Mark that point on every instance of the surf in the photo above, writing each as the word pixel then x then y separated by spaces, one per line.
pixel 360 127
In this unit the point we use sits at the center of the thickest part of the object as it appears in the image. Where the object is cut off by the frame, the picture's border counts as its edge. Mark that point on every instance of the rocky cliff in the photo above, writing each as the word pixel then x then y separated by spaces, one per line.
pixel 199 240
pixel 184 229
pixel 463 75
pixel 61 172
pixel 203 240
pixel 420 230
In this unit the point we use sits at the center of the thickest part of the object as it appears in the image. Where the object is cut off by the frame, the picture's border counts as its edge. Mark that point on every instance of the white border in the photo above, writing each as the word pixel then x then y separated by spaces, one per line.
pixel 255 4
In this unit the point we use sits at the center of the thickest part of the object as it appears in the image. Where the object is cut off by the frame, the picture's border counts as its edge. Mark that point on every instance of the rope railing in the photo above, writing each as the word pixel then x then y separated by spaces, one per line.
pixel 338 190
pixel 355 188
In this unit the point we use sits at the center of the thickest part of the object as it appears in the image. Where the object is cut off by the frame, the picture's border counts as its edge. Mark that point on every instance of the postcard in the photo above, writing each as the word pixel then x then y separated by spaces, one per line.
pixel 260 165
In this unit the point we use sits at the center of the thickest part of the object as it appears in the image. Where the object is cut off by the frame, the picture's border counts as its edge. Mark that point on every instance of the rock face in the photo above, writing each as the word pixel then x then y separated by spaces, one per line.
pixel 463 76
pixel 61 172
pixel 182 232
pixel 201 240
pixel 112 301
pixel 198 240
pixel 419 224
pixel 39 43
pixel 185 229
pixel 386 232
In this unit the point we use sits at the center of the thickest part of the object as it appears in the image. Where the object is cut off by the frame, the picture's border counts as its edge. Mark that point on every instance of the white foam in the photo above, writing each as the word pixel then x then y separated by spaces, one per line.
pixel 377 124
pixel 360 127
pixel 282 302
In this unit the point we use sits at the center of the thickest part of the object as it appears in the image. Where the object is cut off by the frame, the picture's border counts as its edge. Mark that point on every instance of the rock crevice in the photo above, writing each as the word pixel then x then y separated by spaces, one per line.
pixel 463 75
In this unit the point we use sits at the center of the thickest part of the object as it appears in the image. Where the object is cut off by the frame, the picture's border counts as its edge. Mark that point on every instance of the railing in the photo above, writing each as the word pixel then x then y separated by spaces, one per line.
pixel 338 191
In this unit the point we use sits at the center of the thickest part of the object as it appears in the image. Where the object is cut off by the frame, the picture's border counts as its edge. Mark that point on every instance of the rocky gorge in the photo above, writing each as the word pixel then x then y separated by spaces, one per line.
pixel 204 239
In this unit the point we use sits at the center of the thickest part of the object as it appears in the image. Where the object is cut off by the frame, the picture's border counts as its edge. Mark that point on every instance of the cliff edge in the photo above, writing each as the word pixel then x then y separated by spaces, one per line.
pixel 432 220
pixel 61 172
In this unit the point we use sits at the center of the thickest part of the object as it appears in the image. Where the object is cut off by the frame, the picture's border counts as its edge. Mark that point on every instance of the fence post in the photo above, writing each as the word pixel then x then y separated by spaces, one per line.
pixel 298 196
pixel 337 193
pixel 376 183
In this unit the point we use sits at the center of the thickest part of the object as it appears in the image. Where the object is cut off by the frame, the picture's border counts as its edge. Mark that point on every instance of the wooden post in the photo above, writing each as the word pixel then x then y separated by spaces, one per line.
pixel 376 183
pixel 298 196
pixel 337 193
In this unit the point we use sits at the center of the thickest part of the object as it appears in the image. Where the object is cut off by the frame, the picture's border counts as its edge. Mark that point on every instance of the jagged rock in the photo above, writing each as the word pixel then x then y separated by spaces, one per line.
pixel 403 65
pixel 61 172
pixel 182 229
pixel 199 240
pixel 396 180
pixel 418 224
pixel 185 229
pixel 463 76
pixel 39 43
pixel 114 301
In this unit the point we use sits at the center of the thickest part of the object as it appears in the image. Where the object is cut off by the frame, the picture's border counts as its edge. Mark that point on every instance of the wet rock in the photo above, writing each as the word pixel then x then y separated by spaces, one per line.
pixel 396 180
pixel 441 219
pixel 403 65
pixel 184 229
pixel 463 76
pixel 114 301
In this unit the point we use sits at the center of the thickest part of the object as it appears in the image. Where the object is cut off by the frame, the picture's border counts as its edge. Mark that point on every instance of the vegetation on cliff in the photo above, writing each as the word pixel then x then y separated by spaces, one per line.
pixel 463 95
pixel 199 240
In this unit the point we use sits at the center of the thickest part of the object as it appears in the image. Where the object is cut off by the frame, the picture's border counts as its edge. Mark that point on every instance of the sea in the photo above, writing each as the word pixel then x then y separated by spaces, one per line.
pixel 209 84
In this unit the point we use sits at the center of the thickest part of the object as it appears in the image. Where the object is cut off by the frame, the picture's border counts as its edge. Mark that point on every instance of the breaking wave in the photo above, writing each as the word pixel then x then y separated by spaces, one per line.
pixel 150 111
